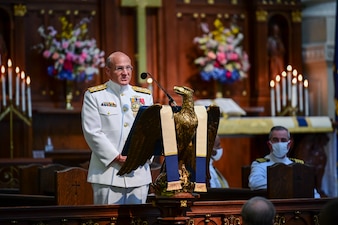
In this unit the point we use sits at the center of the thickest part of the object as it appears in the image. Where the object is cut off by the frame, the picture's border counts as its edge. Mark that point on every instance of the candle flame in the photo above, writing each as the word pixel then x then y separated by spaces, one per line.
pixel 9 63
pixel 294 72
pixel 306 83
pixel 17 70
pixel 22 75
pixel 294 81
pixel 2 69
pixel 277 78
pixel 149 80
pixel 28 80
pixel 300 77
pixel 289 68
pixel 272 83
pixel 284 74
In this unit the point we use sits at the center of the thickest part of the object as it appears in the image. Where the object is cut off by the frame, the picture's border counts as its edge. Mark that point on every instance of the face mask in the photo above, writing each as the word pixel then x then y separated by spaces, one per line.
pixel 218 155
pixel 280 149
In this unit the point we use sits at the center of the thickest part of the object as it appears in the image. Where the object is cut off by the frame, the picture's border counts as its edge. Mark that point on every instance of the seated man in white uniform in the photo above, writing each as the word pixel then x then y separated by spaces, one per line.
pixel 279 144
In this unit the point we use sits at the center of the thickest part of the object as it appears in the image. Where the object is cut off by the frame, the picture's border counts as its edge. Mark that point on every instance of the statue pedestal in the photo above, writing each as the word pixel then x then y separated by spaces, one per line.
pixel 173 209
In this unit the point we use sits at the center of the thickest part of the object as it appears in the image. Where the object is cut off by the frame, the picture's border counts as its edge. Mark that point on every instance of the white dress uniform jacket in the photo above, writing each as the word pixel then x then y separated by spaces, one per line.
pixel 258 176
pixel 108 114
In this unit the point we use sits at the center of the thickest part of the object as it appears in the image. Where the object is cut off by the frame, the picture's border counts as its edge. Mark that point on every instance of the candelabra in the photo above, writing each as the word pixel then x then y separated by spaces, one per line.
pixel 12 109
pixel 289 94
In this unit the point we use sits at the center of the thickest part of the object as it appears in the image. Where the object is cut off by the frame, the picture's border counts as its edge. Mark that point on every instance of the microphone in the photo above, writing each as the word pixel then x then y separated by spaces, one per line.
pixel 171 100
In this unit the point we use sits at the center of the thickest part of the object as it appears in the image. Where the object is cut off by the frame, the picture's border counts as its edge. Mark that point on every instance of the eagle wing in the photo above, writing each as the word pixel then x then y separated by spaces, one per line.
pixel 144 139
pixel 213 122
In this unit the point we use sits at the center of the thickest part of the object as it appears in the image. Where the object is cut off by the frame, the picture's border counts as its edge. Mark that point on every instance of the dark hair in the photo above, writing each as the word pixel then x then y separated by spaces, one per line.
pixel 258 211
pixel 328 215
pixel 278 128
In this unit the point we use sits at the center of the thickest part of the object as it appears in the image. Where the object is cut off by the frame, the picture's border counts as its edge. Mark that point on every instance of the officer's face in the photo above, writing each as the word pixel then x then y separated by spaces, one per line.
pixel 278 136
pixel 120 70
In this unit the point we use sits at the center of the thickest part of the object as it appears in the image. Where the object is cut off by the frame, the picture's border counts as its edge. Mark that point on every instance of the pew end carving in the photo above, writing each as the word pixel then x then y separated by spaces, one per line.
pixel 72 187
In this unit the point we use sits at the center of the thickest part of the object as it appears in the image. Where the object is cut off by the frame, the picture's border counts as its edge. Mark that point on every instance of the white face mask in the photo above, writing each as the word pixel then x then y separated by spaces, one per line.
pixel 219 153
pixel 280 149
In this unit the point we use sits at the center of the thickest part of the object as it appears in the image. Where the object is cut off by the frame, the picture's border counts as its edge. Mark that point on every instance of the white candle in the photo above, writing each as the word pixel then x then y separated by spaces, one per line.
pixel 294 93
pixel 272 98
pixel 306 97
pixel 3 82
pixel 278 100
pixel 23 97
pixel 289 69
pixel 300 91
pixel 29 99
pixel 150 84
pixel 294 73
pixel 284 88
pixel 10 87
pixel 17 86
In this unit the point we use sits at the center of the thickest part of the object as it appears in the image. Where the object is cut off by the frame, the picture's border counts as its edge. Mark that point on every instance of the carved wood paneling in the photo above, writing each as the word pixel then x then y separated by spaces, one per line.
pixel 289 212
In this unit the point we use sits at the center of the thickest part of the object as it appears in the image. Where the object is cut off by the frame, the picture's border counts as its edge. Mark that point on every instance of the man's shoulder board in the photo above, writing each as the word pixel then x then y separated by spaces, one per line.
pixel 97 88
pixel 142 90
pixel 261 160
pixel 297 160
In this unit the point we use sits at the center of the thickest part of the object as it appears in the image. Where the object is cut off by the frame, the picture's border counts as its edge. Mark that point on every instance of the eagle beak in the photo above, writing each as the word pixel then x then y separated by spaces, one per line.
pixel 178 90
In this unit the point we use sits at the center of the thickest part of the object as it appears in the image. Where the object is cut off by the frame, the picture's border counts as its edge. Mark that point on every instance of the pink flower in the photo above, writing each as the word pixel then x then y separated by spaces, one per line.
pixel 65 44
pixel 69 56
pixel 55 56
pixel 221 57
pixel 232 56
pixel 46 54
pixel 211 55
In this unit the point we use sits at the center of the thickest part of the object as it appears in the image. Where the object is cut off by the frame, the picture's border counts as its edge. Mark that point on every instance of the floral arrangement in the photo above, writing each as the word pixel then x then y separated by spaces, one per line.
pixel 75 56
pixel 224 59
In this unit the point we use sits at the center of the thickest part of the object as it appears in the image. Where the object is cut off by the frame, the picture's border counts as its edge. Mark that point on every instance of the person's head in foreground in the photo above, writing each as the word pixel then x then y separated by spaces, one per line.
pixel 329 214
pixel 258 211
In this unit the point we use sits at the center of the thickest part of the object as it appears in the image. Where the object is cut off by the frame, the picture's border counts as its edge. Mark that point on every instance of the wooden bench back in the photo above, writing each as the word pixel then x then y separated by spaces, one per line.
pixel 47 178
pixel 72 187
pixel 29 181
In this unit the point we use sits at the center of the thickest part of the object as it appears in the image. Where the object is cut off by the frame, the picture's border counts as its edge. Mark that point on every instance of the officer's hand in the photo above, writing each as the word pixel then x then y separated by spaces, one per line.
pixel 120 159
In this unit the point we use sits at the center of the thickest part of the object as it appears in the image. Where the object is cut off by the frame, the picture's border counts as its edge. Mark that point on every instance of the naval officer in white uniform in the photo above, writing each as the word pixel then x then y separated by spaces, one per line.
pixel 108 113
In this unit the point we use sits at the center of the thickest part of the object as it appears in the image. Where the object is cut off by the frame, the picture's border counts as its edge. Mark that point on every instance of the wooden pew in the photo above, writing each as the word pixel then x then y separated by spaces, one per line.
pixel 289 212
pixel 47 178
pixel 9 169
pixel 72 187
pixel 29 182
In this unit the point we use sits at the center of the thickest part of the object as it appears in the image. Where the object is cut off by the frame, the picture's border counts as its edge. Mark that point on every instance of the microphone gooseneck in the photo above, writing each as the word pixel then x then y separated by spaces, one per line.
pixel 171 100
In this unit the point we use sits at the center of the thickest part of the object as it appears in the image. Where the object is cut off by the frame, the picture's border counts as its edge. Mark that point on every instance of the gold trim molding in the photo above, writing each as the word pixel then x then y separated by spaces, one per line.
pixel 20 10
pixel 296 16
pixel 261 16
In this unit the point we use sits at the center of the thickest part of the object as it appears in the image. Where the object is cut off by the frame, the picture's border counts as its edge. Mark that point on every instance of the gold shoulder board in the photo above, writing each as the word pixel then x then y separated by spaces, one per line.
pixel 261 160
pixel 97 88
pixel 142 90
pixel 297 160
